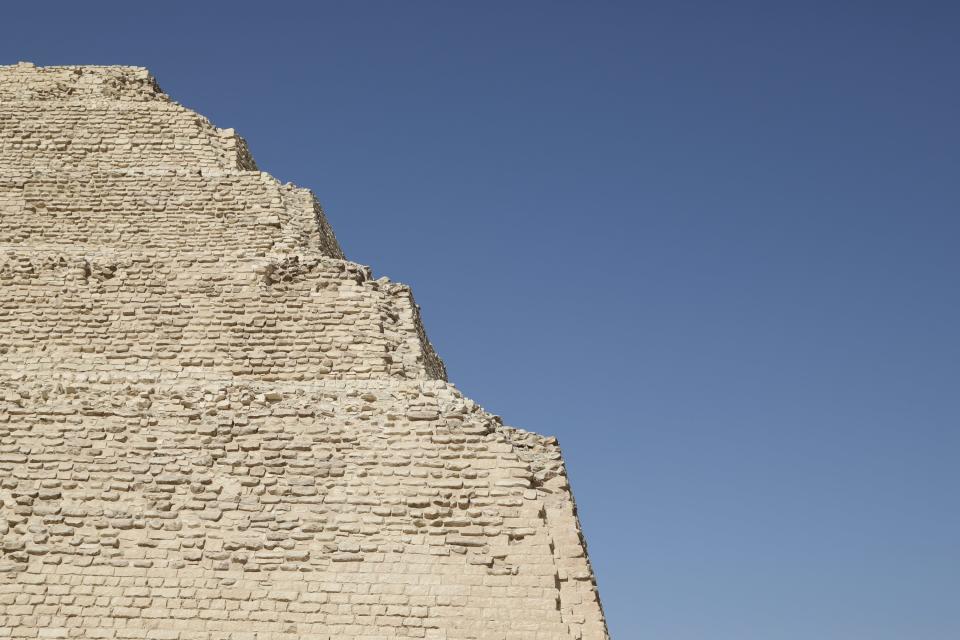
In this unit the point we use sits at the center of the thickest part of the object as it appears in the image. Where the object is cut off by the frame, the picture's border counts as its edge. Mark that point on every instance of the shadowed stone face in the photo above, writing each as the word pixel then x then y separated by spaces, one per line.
pixel 213 425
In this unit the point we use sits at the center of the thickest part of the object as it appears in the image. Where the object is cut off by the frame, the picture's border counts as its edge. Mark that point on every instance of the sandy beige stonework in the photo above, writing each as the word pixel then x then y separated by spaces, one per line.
pixel 214 426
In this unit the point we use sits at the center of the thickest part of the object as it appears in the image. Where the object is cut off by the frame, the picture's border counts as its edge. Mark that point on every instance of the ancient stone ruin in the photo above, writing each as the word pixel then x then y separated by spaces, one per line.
pixel 213 425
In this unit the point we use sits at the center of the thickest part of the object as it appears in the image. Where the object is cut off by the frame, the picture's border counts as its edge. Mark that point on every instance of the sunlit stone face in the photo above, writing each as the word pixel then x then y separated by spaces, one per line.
pixel 213 425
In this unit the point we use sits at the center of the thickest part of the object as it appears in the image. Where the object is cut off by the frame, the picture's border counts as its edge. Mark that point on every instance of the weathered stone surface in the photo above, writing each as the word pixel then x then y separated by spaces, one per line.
pixel 213 425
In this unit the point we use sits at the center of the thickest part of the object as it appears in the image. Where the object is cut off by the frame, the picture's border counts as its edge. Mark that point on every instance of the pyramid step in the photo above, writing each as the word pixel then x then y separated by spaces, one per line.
pixel 173 210
pixel 28 82
pixel 290 317
pixel 55 135
pixel 311 490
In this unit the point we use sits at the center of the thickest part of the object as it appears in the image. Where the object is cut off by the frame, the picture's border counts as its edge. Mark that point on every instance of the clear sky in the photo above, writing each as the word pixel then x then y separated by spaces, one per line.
pixel 712 246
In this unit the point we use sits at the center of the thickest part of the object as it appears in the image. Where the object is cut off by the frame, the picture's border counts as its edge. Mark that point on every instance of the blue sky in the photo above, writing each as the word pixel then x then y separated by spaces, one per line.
pixel 713 247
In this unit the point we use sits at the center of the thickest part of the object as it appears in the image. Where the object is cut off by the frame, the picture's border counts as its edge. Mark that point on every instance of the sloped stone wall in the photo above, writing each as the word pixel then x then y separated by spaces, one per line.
pixel 213 426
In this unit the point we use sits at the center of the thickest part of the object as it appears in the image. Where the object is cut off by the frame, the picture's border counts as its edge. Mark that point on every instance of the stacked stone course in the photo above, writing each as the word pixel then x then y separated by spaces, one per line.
pixel 214 426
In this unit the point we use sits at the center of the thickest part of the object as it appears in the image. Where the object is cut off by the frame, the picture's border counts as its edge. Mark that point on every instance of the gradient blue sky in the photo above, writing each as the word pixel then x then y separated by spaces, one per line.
pixel 713 247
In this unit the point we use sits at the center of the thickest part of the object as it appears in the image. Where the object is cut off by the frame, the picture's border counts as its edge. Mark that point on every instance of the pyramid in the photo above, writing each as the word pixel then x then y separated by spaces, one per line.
pixel 215 426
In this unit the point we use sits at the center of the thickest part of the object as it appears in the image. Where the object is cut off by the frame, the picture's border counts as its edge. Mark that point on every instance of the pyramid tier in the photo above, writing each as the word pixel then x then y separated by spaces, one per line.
pixel 55 135
pixel 380 509
pixel 26 81
pixel 89 313
pixel 102 118
pixel 179 210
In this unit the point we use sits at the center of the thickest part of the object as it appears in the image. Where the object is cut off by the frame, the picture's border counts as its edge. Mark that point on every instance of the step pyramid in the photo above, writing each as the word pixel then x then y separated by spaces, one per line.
pixel 214 426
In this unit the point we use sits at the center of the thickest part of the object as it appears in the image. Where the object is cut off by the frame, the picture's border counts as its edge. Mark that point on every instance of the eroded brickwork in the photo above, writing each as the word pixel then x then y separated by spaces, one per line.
pixel 213 426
